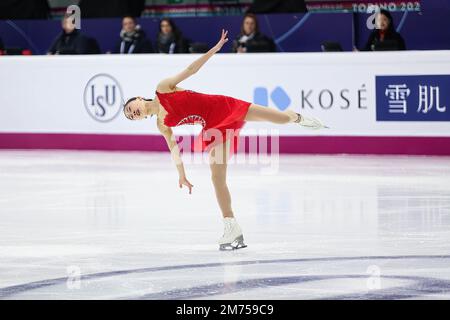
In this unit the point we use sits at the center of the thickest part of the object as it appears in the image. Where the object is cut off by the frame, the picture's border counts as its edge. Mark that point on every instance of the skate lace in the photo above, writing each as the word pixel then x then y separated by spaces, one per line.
pixel 228 228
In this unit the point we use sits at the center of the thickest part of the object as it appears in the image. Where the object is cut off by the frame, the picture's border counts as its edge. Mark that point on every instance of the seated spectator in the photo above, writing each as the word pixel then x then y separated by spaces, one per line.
pixel 70 41
pixel 385 33
pixel 133 38
pixel 251 39
pixel 2 47
pixel 170 40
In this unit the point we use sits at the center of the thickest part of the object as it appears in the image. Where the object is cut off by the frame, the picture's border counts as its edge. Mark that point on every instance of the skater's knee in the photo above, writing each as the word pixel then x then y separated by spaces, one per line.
pixel 218 178
pixel 218 174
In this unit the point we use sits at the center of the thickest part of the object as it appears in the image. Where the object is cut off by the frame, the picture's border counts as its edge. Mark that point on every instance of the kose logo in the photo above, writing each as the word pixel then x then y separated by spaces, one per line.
pixel 103 97
pixel 278 96
pixel 314 98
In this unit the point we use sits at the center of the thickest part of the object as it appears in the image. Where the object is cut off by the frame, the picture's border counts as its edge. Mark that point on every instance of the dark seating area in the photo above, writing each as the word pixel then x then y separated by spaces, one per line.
pixel 306 30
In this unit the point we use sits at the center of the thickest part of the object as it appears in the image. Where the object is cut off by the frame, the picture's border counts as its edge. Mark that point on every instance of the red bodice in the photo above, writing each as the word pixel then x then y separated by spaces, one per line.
pixel 211 111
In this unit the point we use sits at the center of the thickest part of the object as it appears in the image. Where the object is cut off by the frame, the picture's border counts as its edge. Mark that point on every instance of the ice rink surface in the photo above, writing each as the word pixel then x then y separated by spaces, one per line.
pixel 113 225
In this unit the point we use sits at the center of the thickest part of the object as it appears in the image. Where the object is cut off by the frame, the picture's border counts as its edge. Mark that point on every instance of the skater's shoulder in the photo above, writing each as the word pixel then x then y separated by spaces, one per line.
pixel 164 89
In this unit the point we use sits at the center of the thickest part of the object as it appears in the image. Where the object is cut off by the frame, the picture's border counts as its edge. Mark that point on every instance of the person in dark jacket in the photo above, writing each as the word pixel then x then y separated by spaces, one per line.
pixel 132 38
pixel 251 39
pixel 2 47
pixel 170 39
pixel 70 41
pixel 385 33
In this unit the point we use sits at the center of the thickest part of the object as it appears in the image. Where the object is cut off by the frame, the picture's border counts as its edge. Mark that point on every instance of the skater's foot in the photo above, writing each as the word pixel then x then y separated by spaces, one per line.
pixel 232 238
pixel 310 122
pixel 238 243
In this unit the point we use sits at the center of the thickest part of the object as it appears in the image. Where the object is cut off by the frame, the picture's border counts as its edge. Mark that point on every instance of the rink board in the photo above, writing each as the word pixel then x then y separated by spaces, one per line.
pixel 386 102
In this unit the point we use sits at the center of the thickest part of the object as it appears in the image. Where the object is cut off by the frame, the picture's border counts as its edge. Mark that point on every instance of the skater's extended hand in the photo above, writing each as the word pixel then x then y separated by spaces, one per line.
pixel 222 41
pixel 183 181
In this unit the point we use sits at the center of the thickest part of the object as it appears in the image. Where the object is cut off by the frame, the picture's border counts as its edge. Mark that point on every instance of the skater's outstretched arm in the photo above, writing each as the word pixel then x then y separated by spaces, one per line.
pixel 170 83
pixel 175 153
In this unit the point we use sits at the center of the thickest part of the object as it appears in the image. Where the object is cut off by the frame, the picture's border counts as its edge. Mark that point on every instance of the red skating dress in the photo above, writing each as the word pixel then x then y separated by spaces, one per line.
pixel 221 116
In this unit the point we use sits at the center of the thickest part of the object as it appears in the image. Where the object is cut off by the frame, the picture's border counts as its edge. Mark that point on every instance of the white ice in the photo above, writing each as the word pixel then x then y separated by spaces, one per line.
pixel 114 225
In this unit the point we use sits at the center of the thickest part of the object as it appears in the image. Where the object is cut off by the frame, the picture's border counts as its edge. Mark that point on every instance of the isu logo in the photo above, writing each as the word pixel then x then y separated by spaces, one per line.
pixel 103 97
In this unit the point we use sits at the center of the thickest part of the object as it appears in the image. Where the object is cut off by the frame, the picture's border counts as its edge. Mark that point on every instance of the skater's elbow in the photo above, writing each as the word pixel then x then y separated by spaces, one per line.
pixel 192 70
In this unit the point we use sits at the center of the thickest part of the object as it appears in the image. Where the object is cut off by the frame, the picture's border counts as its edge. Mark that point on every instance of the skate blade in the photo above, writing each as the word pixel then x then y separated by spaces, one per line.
pixel 235 245
pixel 319 128
pixel 315 127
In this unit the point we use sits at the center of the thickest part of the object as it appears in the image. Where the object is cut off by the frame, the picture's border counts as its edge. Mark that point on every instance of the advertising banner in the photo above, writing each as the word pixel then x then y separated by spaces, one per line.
pixel 356 94
pixel 362 6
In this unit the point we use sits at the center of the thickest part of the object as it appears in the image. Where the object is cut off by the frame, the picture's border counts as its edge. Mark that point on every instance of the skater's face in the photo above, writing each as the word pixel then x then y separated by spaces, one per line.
pixel 382 22
pixel 249 25
pixel 135 110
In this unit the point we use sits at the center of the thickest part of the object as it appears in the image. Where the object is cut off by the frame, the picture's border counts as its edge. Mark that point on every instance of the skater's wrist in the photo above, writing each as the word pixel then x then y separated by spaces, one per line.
pixel 215 49
pixel 180 169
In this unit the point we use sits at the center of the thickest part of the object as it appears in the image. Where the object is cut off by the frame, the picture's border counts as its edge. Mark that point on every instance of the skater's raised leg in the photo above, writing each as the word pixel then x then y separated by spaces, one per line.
pixel 260 113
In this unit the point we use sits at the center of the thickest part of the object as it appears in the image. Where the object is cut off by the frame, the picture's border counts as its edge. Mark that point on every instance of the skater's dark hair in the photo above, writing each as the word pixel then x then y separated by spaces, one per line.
pixel 130 100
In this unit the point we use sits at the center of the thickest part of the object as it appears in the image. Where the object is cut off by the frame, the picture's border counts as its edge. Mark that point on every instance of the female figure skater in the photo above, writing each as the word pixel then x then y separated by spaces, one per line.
pixel 174 106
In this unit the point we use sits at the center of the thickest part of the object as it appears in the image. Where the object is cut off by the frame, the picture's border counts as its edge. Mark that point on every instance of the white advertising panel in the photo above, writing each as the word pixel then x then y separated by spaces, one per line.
pixel 356 94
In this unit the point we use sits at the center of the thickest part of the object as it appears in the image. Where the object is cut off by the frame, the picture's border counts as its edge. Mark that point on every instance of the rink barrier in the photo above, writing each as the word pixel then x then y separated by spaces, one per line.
pixel 438 146
pixel 399 106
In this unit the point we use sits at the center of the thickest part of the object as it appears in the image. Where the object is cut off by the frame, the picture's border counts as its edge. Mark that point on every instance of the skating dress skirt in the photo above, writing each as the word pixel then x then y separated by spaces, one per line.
pixel 221 116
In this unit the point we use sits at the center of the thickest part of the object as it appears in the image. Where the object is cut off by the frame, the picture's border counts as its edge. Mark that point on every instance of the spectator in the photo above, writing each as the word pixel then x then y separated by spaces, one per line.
pixel 2 47
pixel 385 33
pixel 133 38
pixel 251 39
pixel 170 40
pixel 70 41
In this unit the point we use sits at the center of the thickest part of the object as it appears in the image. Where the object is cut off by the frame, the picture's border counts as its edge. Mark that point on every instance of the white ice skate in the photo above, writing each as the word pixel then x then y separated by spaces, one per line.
pixel 232 238
pixel 310 122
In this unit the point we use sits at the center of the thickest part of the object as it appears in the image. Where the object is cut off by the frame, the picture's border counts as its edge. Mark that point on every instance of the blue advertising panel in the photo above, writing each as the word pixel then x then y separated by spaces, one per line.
pixel 413 98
